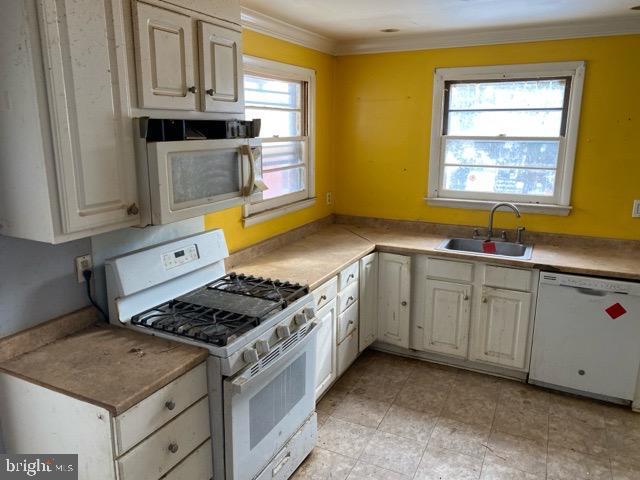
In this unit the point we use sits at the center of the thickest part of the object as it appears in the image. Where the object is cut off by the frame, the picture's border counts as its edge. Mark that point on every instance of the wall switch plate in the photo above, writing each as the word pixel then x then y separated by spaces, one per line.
pixel 83 262
pixel 329 198
pixel 636 209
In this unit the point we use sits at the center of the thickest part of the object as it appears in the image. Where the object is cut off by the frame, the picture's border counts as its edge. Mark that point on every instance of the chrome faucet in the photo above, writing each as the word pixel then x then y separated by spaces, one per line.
pixel 493 210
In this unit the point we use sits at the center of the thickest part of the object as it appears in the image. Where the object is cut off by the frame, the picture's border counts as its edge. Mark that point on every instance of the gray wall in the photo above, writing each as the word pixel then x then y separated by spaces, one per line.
pixel 38 282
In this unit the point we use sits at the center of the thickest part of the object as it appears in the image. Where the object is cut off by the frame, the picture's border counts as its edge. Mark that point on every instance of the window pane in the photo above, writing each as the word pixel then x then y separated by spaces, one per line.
pixel 515 123
pixel 500 180
pixel 283 182
pixel 513 95
pixel 268 92
pixel 276 123
pixel 502 153
pixel 281 154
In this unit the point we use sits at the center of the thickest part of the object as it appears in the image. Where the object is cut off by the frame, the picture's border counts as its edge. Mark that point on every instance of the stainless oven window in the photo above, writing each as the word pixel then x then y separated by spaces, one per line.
pixel 274 401
pixel 198 176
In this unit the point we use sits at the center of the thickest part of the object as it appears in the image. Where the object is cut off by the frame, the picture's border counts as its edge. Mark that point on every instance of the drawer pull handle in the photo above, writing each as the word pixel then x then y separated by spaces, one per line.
pixel 349 299
pixel 352 275
pixel 173 447
pixel 404 303
pixel 322 298
pixel 350 322
pixel 170 404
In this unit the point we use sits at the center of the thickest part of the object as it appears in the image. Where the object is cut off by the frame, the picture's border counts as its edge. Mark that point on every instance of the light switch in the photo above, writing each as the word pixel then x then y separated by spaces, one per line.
pixel 636 209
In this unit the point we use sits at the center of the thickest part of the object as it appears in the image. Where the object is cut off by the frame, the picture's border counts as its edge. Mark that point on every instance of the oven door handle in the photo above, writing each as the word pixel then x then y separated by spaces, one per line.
pixel 244 380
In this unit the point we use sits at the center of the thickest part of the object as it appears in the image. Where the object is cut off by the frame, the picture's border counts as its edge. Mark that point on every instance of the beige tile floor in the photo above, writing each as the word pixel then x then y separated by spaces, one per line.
pixel 392 418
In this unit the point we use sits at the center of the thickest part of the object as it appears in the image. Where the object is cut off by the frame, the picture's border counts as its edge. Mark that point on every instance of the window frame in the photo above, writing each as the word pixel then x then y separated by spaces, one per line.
pixel 559 204
pixel 259 211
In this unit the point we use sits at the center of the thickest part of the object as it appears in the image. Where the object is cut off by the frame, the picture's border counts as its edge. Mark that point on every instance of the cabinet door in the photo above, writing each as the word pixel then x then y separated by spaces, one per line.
pixel 446 317
pixel 220 69
pixel 165 56
pixel 326 347
pixel 394 289
pixel 368 300
pixel 92 134
pixel 501 332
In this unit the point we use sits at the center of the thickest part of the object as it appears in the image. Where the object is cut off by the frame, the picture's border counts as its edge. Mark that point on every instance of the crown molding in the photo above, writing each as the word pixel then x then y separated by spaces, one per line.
pixel 273 27
pixel 593 28
pixel 261 23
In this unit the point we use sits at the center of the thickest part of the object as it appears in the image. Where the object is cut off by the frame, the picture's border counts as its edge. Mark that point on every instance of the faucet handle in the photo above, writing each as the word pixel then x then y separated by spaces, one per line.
pixel 520 234
pixel 503 235
pixel 476 233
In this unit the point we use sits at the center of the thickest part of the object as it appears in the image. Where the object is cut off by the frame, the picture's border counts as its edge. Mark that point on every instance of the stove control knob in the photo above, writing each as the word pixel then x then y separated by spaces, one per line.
pixel 262 346
pixel 309 312
pixel 283 331
pixel 300 319
pixel 250 355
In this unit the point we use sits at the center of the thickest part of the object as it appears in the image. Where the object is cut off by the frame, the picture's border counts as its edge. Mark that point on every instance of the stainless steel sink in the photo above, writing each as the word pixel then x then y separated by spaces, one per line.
pixel 475 246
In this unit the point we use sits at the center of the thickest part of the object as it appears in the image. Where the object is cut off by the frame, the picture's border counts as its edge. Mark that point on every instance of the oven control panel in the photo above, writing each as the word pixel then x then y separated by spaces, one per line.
pixel 180 257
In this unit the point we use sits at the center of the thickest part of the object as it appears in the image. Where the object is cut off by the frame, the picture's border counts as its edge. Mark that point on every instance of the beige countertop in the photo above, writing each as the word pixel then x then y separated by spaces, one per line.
pixel 316 258
pixel 108 366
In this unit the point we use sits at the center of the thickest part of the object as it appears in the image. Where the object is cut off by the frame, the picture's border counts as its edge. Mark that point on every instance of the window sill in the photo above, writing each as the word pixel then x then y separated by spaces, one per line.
pixel 277 212
pixel 545 209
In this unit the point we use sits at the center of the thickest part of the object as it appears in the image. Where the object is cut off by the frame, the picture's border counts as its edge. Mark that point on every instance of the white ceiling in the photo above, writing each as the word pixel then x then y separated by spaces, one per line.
pixel 345 20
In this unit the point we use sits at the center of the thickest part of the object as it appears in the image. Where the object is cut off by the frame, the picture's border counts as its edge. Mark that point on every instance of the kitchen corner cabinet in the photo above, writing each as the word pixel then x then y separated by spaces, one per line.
pixel 368 300
pixel 501 331
pixel 326 360
pixel 69 168
pixel 186 63
pixel 394 292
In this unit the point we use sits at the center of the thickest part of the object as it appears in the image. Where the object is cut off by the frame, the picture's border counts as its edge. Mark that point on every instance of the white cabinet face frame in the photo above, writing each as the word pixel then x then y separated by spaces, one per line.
pixel 447 311
pixel 501 331
pixel 326 357
pixel 394 292
pixel 221 81
pixel 165 58
pixel 83 48
pixel 368 321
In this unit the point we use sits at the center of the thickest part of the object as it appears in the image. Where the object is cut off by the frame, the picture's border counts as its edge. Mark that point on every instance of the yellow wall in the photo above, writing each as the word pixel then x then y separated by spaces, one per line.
pixel 384 123
pixel 231 220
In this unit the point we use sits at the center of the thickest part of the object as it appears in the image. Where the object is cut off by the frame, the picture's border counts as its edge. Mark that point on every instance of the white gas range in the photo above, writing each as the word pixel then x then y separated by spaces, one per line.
pixel 261 337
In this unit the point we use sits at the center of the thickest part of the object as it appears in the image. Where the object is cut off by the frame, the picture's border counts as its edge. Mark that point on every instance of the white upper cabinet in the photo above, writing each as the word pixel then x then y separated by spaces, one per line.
pixel 220 69
pixel 394 290
pixel 92 139
pixel 500 334
pixel 186 63
pixel 368 300
pixel 446 312
pixel 164 59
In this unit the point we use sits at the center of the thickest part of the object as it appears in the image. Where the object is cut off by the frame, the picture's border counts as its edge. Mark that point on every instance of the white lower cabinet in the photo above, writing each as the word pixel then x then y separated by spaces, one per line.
pixel 501 331
pixel 326 365
pixel 447 309
pixel 394 291
pixel 368 300
pixel 347 351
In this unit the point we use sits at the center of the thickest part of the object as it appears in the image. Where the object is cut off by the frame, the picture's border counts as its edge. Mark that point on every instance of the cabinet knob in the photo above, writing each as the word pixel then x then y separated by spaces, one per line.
pixel 404 303
pixel 173 447
pixel 484 299
pixel 193 89
pixel 466 297
pixel 210 92
pixel 170 404
pixel 133 209
pixel 581 372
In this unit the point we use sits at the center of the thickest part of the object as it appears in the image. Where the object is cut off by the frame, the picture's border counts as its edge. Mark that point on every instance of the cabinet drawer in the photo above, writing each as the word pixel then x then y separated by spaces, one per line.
pixel 154 411
pixel 347 351
pixel 347 297
pixel 450 269
pixel 159 453
pixel 511 278
pixel 325 292
pixel 347 321
pixel 197 466
pixel 348 276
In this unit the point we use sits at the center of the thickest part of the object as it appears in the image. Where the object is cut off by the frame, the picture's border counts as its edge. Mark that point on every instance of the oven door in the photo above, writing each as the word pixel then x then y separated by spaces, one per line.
pixel 195 177
pixel 266 403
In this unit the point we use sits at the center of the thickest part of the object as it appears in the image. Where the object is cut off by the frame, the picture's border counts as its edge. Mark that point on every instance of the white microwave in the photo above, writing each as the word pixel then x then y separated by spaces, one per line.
pixel 195 175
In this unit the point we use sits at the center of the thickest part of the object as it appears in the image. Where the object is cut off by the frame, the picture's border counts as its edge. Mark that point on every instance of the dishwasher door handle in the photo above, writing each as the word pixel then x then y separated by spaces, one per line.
pixel 593 292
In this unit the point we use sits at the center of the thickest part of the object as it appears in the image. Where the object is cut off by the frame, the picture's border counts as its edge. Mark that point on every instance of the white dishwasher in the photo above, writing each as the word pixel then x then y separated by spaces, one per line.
pixel 587 335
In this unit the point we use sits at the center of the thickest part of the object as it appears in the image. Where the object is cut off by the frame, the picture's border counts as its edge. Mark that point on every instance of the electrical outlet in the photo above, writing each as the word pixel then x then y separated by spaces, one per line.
pixel 329 198
pixel 636 209
pixel 84 262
